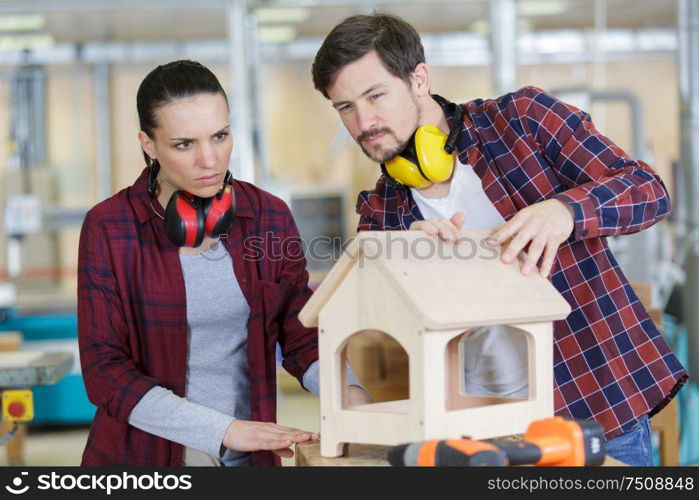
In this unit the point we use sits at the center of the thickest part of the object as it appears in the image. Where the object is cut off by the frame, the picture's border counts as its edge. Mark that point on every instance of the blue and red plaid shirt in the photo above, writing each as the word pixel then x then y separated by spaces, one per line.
pixel 610 362
pixel 132 316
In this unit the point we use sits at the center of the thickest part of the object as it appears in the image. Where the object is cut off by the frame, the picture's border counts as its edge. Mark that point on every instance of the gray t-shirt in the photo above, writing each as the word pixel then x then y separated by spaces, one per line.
pixel 218 386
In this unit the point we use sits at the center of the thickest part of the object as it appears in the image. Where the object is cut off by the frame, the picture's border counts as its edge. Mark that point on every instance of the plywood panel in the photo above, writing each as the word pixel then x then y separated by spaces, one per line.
pixel 461 285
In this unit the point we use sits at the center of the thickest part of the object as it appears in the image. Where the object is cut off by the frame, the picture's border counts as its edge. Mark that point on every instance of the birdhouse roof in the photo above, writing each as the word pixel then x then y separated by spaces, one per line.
pixel 447 285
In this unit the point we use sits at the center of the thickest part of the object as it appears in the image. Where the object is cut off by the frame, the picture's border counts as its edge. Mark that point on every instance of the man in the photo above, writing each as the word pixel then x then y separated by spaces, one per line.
pixel 536 171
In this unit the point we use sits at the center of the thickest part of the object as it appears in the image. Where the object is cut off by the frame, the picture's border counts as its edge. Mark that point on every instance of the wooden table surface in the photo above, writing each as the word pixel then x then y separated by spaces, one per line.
pixel 363 455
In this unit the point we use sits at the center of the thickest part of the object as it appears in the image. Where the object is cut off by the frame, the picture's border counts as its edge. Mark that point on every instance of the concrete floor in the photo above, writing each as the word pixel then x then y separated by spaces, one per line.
pixel 63 445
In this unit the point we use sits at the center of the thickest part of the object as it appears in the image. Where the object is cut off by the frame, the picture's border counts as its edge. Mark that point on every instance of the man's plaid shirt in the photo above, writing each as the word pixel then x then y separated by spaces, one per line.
pixel 610 361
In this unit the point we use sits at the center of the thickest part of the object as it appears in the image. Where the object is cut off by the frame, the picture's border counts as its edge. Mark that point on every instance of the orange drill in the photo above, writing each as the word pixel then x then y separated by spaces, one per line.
pixel 552 441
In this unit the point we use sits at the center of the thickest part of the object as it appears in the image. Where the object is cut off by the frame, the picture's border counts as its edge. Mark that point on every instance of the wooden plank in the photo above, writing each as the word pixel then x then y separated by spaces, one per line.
pixel 356 455
pixel 10 341
pixel 644 292
pixel 351 310
pixel 19 359
pixel 460 285
pixel 666 424
pixel 656 315
pixel 449 413
pixel 400 406
pixel 432 276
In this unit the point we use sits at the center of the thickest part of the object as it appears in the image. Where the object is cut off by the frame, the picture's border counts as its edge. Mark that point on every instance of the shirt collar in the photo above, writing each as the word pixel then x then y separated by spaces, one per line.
pixel 146 209
pixel 467 137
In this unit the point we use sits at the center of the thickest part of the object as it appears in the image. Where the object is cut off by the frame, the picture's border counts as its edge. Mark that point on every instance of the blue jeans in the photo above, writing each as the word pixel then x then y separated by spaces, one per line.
pixel 634 446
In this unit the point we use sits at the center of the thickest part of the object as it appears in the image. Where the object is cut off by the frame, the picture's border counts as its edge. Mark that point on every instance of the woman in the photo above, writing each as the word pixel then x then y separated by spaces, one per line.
pixel 182 297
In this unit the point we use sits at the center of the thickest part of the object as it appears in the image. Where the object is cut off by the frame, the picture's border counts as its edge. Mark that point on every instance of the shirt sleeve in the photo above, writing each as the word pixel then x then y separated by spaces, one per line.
pixel 299 345
pixel 609 192
pixel 112 380
pixel 311 379
pixel 165 414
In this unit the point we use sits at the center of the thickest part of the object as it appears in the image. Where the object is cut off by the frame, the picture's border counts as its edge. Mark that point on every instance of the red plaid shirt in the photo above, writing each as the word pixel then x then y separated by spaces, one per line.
pixel 132 316
pixel 610 361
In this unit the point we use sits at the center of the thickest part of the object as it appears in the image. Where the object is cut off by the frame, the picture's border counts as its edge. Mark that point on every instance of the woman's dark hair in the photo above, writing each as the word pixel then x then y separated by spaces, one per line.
pixel 396 42
pixel 168 82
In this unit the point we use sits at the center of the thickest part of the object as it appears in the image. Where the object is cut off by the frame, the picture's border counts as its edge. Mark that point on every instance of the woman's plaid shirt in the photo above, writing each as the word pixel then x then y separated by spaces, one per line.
pixel 132 314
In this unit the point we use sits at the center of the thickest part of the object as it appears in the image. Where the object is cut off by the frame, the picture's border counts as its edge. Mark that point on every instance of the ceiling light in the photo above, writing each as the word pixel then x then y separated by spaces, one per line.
pixel 533 8
pixel 271 15
pixel 26 42
pixel 524 26
pixel 276 34
pixel 28 22
pixel 480 27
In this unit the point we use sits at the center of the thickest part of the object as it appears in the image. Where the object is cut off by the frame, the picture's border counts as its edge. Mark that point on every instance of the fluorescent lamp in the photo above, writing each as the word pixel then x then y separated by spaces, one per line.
pixel 29 22
pixel 276 34
pixel 480 27
pixel 271 15
pixel 26 42
pixel 533 8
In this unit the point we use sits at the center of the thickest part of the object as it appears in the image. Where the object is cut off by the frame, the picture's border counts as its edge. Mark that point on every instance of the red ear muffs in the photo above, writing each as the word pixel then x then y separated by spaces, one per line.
pixel 184 220
pixel 189 218
pixel 219 211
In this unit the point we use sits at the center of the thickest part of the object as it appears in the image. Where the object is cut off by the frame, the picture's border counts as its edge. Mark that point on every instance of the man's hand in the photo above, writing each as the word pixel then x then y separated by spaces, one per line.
pixel 448 230
pixel 544 226
pixel 248 435
pixel 357 396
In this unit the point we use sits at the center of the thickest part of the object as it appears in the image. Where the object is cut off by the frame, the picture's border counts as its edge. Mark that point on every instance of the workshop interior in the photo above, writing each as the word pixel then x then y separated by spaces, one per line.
pixel 69 74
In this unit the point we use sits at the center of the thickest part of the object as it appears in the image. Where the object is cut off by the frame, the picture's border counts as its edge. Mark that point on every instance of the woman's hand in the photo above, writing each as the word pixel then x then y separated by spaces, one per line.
pixel 543 226
pixel 248 435
pixel 447 229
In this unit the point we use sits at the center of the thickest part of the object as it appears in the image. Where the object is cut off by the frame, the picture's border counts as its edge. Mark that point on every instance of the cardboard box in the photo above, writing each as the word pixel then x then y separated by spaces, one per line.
pixel 644 291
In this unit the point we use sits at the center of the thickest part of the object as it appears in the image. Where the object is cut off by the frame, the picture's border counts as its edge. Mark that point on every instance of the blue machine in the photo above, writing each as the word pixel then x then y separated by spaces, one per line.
pixel 66 402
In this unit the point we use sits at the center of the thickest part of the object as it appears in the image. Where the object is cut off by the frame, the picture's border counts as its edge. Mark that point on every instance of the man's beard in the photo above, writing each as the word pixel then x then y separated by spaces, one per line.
pixel 382 156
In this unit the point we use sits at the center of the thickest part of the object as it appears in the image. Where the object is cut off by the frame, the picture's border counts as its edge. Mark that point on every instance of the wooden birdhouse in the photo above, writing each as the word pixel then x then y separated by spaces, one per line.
pixel 428 295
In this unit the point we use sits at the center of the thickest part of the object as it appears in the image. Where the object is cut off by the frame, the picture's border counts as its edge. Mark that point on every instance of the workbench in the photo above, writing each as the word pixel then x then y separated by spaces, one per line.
pixel 365 455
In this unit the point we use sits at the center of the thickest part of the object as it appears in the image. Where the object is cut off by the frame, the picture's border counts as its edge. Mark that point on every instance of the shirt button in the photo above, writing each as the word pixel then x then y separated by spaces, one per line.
pixel 585 231
pixel 244 280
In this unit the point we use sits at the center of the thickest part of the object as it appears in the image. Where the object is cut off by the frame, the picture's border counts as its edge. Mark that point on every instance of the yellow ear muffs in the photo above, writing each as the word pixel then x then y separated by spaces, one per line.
pixel 406 172
pixel 424 159
pixel 437 164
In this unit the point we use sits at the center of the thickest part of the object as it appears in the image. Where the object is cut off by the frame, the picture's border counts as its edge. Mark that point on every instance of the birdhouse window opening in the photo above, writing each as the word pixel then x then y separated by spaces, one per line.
pixel 487 366
pixel 382 366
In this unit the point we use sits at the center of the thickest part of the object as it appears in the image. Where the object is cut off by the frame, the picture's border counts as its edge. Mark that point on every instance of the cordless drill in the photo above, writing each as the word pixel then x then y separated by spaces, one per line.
pixel 551 441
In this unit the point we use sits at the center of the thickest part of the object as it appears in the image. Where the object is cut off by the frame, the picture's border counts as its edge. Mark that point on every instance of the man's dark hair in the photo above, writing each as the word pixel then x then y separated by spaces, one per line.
pixel 395 41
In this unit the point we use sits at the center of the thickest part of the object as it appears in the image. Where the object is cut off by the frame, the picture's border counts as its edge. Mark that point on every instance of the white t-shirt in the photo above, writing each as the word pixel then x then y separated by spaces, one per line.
pixel 495 359
pixel 465 195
